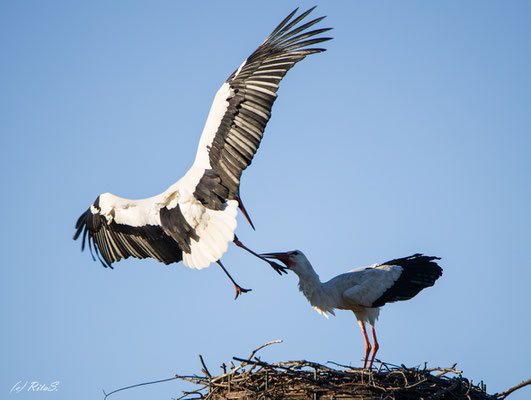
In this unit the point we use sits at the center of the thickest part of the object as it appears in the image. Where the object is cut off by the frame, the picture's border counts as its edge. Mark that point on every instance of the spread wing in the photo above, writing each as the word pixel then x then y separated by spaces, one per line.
pixel 242 106
pixel 117 239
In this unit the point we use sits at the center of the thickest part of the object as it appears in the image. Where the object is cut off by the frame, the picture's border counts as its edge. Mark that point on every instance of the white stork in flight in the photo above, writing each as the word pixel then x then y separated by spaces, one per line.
pixel 195 218
pixel 363 290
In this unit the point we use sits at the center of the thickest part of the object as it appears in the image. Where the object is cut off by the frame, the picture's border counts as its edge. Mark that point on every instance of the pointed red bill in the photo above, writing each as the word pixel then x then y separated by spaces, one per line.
pixel 244 211
pixel 283 257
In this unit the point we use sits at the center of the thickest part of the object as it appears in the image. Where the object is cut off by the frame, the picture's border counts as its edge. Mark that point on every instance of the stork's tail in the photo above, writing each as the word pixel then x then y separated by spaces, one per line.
pixel 418 272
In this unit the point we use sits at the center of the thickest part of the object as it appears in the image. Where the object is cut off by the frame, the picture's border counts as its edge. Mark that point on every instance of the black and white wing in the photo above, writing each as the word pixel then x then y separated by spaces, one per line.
pixel 125 235
pixel 417 272
pixel 242 106
pixel 395 280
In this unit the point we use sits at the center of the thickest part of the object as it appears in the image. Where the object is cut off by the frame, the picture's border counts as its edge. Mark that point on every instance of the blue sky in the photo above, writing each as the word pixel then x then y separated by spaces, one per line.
pixel 410 134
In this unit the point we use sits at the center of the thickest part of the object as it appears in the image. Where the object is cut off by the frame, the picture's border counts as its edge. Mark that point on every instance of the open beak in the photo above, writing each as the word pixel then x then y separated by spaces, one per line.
pixel 282 257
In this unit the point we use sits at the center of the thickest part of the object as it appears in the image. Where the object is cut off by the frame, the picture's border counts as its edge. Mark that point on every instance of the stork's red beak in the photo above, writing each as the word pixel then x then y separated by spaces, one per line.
pixel 282 257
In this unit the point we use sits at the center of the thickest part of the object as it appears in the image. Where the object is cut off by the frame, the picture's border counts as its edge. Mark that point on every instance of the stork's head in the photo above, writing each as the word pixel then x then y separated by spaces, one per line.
pixel 294 259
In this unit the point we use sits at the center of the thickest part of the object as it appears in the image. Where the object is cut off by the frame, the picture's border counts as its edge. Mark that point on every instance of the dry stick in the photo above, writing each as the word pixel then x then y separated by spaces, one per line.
pixel 468 389
pixel 244 363
pixel 379 367
pixel 343 366
pixel 260 363
pixel 415 384
pixel 264 345
pixel 140 384
pixel 441 391
pixel 205 369
pixel 444 370
pixel 506 393
pixel 189 393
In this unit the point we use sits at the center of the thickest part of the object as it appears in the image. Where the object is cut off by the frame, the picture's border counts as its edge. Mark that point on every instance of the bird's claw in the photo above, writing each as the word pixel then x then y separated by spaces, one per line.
pixel 277 267
pixel 240 290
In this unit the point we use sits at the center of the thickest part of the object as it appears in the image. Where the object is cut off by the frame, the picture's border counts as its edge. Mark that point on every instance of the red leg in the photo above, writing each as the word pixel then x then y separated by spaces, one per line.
pixel 279 268
pixel 375 345
pixel 367 343
pixel 239 289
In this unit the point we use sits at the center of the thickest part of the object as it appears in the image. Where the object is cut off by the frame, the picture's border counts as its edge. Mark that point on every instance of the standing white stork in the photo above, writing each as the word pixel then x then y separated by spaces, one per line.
pixel 195 218
pixel 363 290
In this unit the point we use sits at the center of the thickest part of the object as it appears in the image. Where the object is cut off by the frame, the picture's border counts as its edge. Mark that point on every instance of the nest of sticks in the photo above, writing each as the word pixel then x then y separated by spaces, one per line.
pixel 254 378
pixel 257 379
pixel 309 380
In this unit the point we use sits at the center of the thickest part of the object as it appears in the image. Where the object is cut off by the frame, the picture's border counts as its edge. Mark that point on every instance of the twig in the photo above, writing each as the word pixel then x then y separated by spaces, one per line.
pixel 341 365
pixel 444 370
pixel 189 393
pixel 245 362
pixel 260 363
pixel 205 369
pixel 140 384
pixel 262 346
pixel 507 392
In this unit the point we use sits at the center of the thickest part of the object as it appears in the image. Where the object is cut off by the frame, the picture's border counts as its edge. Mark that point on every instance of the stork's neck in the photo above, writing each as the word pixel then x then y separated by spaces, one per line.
pixel 309 283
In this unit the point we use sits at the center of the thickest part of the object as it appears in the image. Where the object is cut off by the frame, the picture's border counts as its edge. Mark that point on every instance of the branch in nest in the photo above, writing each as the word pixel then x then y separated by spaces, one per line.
pixel 205 369
pixel 506 393
pixel 262 346
pixel 141 384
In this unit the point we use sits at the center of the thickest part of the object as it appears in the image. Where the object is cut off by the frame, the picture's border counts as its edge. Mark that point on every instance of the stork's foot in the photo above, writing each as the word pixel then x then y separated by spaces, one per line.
pixel 370 367
pixel 240 290
pixel 375 345
pixel 279 269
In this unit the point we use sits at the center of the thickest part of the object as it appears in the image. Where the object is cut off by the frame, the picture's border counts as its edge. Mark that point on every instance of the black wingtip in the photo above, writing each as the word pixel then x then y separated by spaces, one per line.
pixel 418 272
pixel 81 224
pixel 416 256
